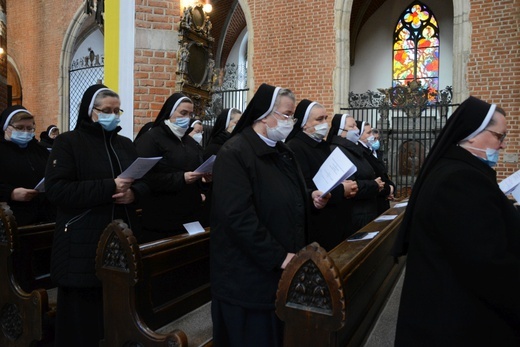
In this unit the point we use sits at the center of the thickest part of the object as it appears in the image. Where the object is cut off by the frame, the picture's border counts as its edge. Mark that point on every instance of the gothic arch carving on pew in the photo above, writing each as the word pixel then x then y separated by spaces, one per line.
pixel 116 254
pixel 315 287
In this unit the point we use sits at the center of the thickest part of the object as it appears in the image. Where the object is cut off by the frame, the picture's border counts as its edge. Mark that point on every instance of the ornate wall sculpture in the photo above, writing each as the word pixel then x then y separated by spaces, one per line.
pixel 195 63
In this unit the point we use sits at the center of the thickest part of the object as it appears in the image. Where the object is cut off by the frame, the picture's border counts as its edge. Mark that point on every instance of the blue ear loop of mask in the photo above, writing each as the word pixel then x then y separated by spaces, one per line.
pixel 491 155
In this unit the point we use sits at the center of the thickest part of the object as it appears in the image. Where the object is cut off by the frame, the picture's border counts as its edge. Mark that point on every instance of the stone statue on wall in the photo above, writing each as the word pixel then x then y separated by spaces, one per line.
pixel 210 69
pixel 183 56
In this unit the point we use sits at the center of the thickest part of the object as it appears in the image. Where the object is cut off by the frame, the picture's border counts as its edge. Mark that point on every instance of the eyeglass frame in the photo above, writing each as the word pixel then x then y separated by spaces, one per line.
pixel 190 115
pixel 291 118
pixel 116 113
pixel 499 136
pixel 23 128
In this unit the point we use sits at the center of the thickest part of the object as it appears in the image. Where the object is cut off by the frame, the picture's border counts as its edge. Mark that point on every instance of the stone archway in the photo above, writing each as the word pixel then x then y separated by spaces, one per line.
pixel 77 27
pixel 14 84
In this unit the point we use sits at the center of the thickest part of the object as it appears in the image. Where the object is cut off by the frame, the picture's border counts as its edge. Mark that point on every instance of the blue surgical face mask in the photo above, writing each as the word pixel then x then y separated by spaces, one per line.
pixel 373 143
pixel 491 155
pixel 21 138
pixel 182 122
pixel 353 135
pixel 108 121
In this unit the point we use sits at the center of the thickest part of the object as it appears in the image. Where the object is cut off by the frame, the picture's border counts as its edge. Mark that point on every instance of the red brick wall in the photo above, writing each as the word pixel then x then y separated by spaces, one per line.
pixel 35 34
pixel 295 47
pixel 494 64
pixel 154 69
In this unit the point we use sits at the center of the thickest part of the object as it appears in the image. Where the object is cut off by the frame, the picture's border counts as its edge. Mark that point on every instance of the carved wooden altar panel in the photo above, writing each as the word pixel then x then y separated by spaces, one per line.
pixel 195 63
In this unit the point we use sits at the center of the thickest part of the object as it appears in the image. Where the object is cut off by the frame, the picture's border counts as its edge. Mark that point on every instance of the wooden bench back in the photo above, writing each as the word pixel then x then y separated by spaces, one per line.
pixel 24 278
pixel 150 285
pixel 332 299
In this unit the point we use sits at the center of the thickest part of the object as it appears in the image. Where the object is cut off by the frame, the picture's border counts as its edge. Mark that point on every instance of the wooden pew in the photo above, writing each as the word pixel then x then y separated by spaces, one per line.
pixel 148 288
pixel 333 299
pixel 27 302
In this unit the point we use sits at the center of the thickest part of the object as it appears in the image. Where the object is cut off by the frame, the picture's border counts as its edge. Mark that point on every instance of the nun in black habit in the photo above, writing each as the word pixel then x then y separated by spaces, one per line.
pixel 345 134
pixel 365 140
pixel 222 129
pixel 23 164
pixel 327 226
pixel 47 137
pixel 259 221
pixel 461 236
pixel 176 194
pixel 81 178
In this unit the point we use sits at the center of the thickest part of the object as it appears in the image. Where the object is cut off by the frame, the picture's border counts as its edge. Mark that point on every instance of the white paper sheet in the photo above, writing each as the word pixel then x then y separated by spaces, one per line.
pixel 41 186
pixel 139 167
pixel 385 217
pixel 207 166
pixel 401 204
pixel 335 169
pixel 516 193
pixel 510 183
pixel 193 228
pixel 362 236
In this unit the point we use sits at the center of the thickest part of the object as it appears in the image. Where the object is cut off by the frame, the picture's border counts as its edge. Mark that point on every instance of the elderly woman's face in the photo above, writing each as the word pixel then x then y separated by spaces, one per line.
pixel 24 125
pixel 318 115
pixel 197 129
pixel 108 105
pixel 233 120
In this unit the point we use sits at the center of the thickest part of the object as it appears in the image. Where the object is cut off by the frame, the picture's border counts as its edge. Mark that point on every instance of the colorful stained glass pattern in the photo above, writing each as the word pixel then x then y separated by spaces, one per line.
pixel 416 47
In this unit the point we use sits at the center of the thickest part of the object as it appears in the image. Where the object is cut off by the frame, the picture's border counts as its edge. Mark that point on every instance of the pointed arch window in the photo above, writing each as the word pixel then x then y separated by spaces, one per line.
pixel 416 47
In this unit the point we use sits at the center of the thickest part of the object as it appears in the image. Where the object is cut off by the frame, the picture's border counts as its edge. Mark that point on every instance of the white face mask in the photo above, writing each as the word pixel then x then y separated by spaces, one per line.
pixel 280 132
pixel 198 137
pixel 320 131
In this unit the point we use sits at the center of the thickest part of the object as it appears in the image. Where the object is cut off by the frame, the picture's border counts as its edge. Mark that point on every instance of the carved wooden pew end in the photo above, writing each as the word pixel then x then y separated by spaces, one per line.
pixel 157 293
pixel 27 296
pixel 333 299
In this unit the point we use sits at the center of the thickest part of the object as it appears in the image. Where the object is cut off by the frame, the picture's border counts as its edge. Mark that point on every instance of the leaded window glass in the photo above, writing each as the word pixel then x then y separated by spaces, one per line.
pixel 416 47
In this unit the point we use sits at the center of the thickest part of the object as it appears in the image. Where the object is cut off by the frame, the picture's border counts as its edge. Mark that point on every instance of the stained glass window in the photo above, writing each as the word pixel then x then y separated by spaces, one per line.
pixel 416 47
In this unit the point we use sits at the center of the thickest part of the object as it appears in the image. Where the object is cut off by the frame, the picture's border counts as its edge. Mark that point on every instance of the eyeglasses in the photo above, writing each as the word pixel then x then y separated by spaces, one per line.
pixel 27 129
pixel 291 118
pixel 500 136
pixel 186 114
pixel 117 112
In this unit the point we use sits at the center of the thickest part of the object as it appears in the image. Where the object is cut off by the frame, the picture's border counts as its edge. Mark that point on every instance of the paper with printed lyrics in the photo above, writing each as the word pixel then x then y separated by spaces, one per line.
pixel 193 228
pixel 510 183
pixel 334 170
pixel 139 167
pixel 41 186
pixel 516 193
pixel 385 217
pixel 207 166
pixel 360 236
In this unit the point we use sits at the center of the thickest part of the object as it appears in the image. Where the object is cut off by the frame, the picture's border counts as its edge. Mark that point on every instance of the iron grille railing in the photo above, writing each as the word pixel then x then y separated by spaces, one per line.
pixel 79 81
pixel 407 131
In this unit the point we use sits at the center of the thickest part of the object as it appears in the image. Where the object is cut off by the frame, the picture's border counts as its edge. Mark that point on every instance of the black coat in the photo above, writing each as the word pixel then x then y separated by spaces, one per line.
pixel 258 216
pixel 216 143
pixel 463 268
pixel 80 180
pixel 24 168
pixel 379 167
pixel 332 224
pixel 172 202
pixel 364 208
